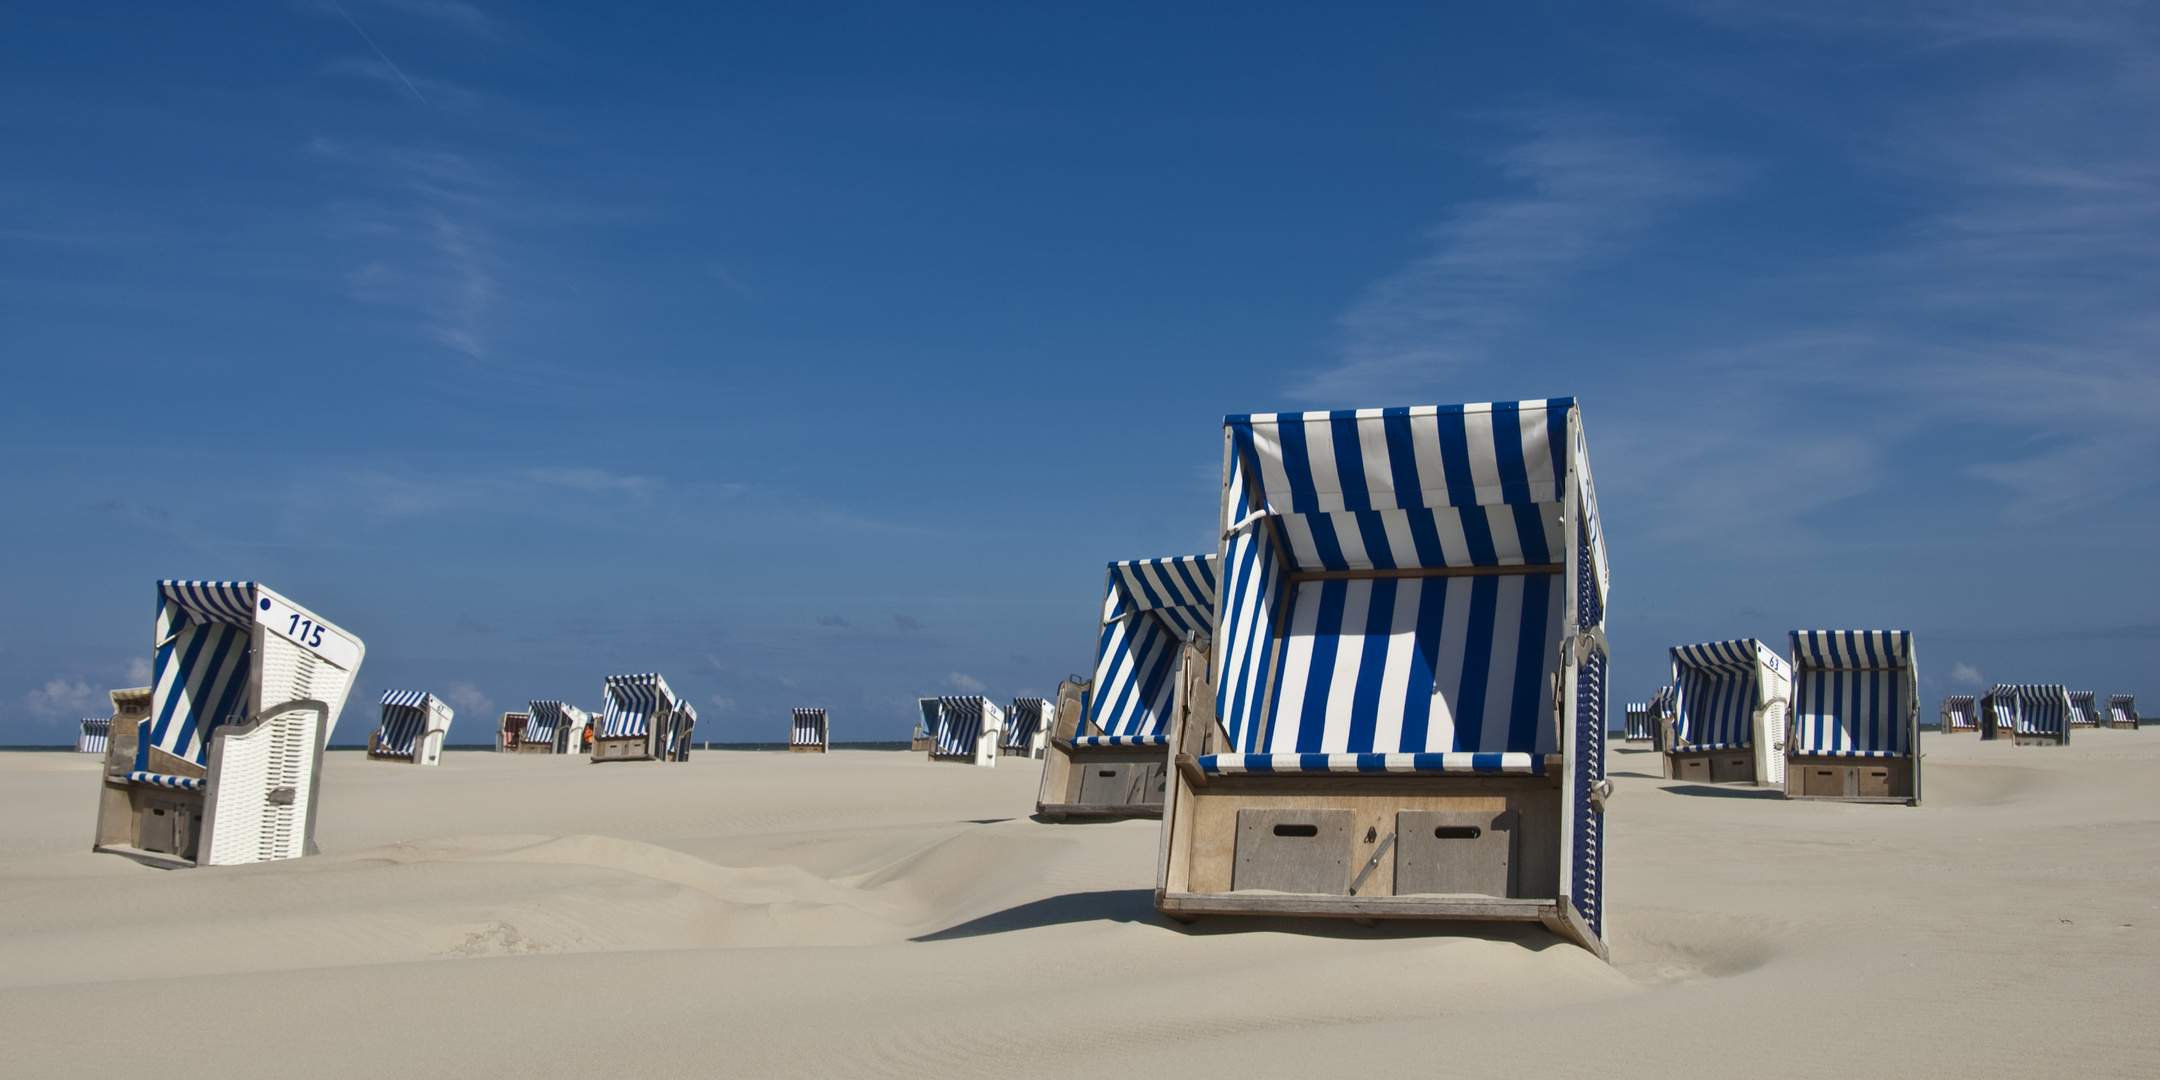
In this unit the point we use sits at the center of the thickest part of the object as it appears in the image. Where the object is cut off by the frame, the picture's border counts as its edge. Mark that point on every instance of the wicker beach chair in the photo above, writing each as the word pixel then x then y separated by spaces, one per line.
pixel 96 730
pixel 2122 711
pixel 2084 711
pixel 552 727
pixel 967 731
pixel 926 723
pixel 1027 727
pixel 414 725
pixel 1856 717
pixel 2029 714
pixel 642 720
pixel 1960 714
pixel 1731 700
pixel 1640 725
pixel 808 733
pixel 1409 674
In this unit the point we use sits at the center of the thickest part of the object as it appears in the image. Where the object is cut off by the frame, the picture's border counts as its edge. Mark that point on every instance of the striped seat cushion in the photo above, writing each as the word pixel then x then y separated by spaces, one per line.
pixel 1122 740
pixel 1401 764
pixel 163 780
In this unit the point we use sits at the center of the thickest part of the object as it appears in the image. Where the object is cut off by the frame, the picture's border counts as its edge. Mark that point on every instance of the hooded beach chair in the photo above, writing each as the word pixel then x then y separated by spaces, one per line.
pixel 967 730
pixel 1027 727
pixel 414 725
pixel 809 734
pixel 2084 711
pixel 2029 714
pixel 222 767
pixel 1109 752
pixel 1664 712
pixel 1960 713
pixel 641 721
pixel 95 731
pixel 510 734
pixel 1638 726
pixel 2122 711
pixel 552 727
pixel 1729 723
pixel 1409 670
pixel 925 735
pixel 1855 731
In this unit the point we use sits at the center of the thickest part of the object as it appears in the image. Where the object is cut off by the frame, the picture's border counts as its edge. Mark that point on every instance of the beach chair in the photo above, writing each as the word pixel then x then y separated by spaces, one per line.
pixel 1731 700
pixel 1855 733
pixel 551 727
pixel 925 735
pixel 641 721
pixel 1638 726
pixel 1960 714
pixel 809 734
pixel 1109 753
pixel 414 725
pixel 92 738
pixel 1664 712
pixel 967 730
pixel 1027 728
pixel 2122 711
pixel 1409 674
pixel 510 734
pixel 2028 714
pixel 2084 711
pixel 222 765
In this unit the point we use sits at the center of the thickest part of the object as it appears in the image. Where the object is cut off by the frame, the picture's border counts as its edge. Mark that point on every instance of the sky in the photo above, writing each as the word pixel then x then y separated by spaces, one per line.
pixel 823 354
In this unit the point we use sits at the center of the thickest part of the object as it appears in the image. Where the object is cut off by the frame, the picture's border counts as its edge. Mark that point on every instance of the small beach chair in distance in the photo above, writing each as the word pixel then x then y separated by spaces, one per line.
pixel 1855 733
pixel 510 734
pixel 925 735
pixel 223 767
pixel 2029 714
pixel 1027 727
pixel 638 721
pixel 682 726
pixel 414 725
pixel 1111 756
pixel 1409 670
pixel 967 730
pixel 808 734
pixel 2084 711
pixel 1731 700
pixel 2122 711
pixel 1960 714
pixel 1664 712
pixel 96 730
pixel 552 727
pixel 1639 726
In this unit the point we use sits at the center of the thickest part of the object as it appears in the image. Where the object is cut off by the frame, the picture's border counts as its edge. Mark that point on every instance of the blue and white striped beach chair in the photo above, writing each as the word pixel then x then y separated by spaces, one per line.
pixel 967 730
pixel 2084 711
pixel 1731 699
pixel 2029 714
pixel 642 720
pixel 1409 670
pixel 414 725
pixel 1960 713
pixel 1110 753
pixel 2122 711
pixel 95 731
pixel 1639 727
pixel 1856 717
pixel 926 723
pixel 552 727
pixel 1027 727
pixel 246 688
pixel 807 732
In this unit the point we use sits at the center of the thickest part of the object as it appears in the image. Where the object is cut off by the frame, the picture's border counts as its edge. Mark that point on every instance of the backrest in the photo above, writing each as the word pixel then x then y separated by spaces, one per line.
pixel 808 728
pixel 1638 721
pixel 1854 692
pixel 1026 716
pixel 405 716
pixel 1960 711
pixel 960 723
pixel 632 703
pixel 2122 707
pixel 2083 711
pixel 1400 580
pixel 1717 687
pixel 207 672
pixel 1149 606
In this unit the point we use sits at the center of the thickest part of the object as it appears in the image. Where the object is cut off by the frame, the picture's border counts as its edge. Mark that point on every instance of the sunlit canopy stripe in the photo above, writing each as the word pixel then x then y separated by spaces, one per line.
pixel 1718 685
pixel 1853 692
pixel 808 728
pixel 1023 720
pixel 2030 709
pixel 632 702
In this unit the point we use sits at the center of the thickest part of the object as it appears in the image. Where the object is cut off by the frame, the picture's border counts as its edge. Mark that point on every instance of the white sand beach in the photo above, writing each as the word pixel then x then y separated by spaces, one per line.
pixel 872 914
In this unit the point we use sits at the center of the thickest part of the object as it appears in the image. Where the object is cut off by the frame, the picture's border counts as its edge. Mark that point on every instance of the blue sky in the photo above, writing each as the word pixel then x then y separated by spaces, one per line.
pixel 823 354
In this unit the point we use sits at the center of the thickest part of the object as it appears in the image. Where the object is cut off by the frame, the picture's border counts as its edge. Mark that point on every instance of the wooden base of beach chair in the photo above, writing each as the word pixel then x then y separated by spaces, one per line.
pixel 806 748
pixel 2042 740
pixel 1867 780
pixel 1105 782
pixel 919 745
pixel 636 749
pixel 1557 915
pixel 1711 767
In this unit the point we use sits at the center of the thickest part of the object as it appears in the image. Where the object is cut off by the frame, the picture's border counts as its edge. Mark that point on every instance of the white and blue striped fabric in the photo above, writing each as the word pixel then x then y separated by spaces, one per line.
pixel 1665 702
pixel 2031 709
pixel 404 718
pixel 544 720
pixel 1717 686
pixel 1023 720
pixel 959 728
pixel 1149 606
pixel 1960 712
pixel 632 702
pixel 96 732
pixel 2084 711
pixel 1396 673
pixel 808 728
pixel 1853 692
pixel 163 780
pixel 2122 709
pixel 200 672
pixel 1638 722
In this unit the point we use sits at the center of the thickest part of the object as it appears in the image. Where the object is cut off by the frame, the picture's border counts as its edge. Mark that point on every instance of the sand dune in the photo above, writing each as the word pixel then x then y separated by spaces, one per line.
pixel 871 914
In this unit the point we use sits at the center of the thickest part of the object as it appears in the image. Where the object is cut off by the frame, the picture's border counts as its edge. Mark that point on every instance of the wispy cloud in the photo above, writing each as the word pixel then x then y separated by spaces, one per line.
pixel 1594 183
pixel 966 682
pixel 468 697
pixel 67 698
pixel 430 225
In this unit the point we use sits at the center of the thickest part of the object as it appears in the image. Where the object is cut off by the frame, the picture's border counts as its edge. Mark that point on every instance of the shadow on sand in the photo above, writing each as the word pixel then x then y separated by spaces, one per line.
pixel 1709 791
pixel 1138 905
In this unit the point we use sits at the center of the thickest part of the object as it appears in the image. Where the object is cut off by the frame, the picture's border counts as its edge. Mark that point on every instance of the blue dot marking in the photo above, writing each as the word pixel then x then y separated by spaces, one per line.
pixel 266 603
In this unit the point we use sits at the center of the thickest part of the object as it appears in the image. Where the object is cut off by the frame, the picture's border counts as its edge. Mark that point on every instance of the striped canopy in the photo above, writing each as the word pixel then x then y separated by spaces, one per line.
pixel 200 673
pixel 546 718
pixel 1341 647
pixel 405 718
pixel 1639 720
pixel 632 702
pixel 1149 606
pixel 2084 712
pixel 960 724
pixel 95 731
pixel 2030 709
pixel 1718 686
pixel 1855 692
pixel 1960 712
pixel 2122 708
pixel 808 728
pixel 1023 720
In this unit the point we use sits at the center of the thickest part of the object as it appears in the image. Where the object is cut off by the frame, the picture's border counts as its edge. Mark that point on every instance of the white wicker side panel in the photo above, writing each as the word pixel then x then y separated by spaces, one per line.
pixel 264 778
pixel 1772 739
pixel 992 733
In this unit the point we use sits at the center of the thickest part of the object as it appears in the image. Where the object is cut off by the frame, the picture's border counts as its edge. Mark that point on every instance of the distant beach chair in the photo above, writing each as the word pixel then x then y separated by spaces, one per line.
pixel 222 763
pixel 2084 711
pixel 95 731
pixel 414 725
pixel 510 734
pixel 2029 714
pixel 1109 753
pixel 642 720
pixel 1664 712
pixel 1639 726
pixel 1856 717
pixel 552 727
pixel 1729 724
pixel 808 734
pixel 2122 711
pixel 967 730
pixel 925 735
pixel 1960 713
pixel 1409 669
pixel 1027 728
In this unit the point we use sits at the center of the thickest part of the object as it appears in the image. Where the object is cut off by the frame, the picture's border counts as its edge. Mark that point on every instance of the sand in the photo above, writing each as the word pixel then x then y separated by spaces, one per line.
pixel 872 914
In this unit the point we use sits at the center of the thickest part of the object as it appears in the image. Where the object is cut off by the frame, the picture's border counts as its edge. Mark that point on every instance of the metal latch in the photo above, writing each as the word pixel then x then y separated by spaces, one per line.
pixel 283 796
